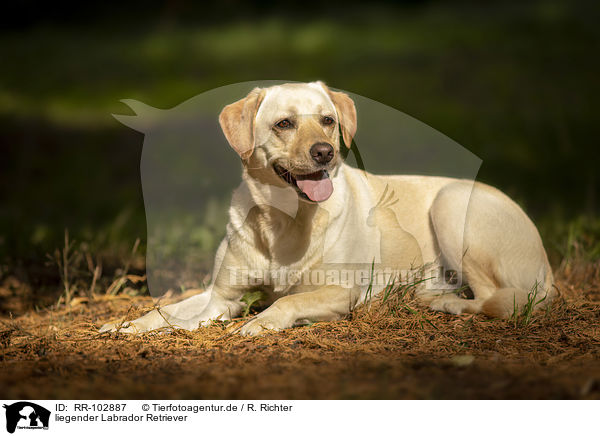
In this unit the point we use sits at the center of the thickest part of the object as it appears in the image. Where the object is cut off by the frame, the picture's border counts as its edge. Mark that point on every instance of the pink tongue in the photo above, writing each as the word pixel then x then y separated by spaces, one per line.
pixel 316 186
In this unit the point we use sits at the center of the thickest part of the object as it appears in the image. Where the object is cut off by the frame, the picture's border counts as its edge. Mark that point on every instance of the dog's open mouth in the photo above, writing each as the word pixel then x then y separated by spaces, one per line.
pixel 315 186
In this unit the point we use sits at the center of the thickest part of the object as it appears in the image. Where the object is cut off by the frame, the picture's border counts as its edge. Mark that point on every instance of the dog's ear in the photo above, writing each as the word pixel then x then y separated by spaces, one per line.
pixel 346 113
pixel 237 122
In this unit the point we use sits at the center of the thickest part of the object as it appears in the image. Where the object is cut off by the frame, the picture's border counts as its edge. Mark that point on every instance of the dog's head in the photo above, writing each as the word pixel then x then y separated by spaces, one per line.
pixel 290 135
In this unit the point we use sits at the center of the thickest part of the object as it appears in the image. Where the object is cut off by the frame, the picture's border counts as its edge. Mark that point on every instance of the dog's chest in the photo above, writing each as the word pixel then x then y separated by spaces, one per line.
pixel 292 245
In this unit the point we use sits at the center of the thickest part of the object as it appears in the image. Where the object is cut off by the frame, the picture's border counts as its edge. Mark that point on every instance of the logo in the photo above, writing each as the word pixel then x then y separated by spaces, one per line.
pixel 26 415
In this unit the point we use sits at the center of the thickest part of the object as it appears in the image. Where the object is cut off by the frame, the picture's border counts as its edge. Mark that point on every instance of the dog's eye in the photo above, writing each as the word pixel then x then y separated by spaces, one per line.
pixel 327 121
pixel 284 124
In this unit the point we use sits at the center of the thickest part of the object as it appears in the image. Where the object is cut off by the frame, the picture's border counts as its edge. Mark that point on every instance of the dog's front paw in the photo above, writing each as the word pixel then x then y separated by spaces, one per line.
pixel 121 327
pixel 263 323
pixel 147 324
pixel 150 321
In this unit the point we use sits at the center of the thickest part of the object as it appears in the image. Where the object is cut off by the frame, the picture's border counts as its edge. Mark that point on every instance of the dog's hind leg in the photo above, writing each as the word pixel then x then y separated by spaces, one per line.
pixel 495 248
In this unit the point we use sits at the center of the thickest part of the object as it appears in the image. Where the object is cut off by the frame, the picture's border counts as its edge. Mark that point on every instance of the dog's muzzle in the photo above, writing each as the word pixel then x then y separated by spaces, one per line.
pixel 315 186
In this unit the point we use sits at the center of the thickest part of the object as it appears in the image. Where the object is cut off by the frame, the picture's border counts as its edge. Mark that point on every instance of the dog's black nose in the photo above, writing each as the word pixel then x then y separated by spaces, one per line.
pixel 321 152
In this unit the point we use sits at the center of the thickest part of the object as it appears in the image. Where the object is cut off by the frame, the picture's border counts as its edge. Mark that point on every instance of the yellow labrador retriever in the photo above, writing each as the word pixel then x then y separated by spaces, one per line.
pixel 312 232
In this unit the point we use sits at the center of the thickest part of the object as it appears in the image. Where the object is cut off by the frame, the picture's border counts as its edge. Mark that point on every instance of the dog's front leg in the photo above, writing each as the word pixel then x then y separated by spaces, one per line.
pixel 177 315
pixel 188 314
pixel 325 304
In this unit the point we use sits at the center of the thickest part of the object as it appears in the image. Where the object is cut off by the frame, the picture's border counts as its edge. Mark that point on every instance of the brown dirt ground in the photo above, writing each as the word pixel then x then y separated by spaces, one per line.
pixel 387 352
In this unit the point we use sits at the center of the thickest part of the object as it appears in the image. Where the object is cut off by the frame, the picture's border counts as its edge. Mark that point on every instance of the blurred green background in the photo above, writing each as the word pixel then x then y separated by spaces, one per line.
pixel 514 82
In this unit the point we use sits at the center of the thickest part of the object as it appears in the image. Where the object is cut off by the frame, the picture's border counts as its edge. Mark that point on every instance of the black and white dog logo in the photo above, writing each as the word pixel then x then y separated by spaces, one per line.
pixel 26 415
